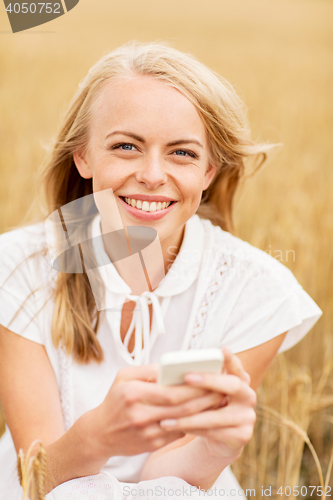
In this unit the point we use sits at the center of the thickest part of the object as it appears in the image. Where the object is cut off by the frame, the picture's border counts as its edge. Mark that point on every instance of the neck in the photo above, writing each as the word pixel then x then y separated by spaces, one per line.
pixel 125 251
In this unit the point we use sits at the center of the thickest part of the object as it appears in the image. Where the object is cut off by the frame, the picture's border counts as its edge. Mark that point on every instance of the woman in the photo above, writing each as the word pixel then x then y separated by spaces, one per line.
pixel 162 143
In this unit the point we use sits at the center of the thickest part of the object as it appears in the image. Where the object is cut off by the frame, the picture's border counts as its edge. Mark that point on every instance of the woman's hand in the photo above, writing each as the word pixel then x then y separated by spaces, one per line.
pixel 127 422
pixel 227 429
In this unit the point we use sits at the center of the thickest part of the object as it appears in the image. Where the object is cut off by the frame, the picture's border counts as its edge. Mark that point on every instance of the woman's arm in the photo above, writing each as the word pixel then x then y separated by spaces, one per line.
pixel 30 398
pixel 257 360
pixel 189 457
pixel 28 391
pixel 126 423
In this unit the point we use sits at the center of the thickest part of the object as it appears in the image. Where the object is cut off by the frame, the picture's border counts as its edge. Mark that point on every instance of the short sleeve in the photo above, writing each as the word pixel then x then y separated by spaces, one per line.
pixel 261 300
pixel 22 271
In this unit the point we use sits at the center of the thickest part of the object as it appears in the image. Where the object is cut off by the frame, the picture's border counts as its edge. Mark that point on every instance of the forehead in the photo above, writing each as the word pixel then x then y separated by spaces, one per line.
pixel 144 104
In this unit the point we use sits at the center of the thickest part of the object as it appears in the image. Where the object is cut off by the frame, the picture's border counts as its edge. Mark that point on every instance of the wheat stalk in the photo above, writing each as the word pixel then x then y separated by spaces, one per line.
pixel 31 469
pixel 284 415
pixel 301 432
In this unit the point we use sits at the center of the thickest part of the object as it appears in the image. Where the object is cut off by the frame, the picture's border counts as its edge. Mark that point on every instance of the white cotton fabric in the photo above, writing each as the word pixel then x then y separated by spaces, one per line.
pixel 104 486
pixel 220 291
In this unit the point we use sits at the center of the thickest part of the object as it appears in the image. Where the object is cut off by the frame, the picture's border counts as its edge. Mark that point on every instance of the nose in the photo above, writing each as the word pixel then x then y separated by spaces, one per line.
pixel 151 172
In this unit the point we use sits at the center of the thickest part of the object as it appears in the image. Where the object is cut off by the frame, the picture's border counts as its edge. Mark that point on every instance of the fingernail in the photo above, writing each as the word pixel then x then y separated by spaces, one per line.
pixel 193 377
pixel 168 422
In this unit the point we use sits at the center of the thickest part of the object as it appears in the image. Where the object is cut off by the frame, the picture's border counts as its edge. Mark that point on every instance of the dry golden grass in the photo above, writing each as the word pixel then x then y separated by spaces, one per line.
pixel 274 457
pixel 31 469
pixel 278 54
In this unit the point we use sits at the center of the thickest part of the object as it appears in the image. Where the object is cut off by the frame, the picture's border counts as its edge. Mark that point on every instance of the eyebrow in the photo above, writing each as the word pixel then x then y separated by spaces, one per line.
pixel 140 139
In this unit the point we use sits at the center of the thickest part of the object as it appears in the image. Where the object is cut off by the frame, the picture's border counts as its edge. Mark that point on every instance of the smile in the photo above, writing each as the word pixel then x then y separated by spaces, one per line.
pixel 147 211
pixel 146 206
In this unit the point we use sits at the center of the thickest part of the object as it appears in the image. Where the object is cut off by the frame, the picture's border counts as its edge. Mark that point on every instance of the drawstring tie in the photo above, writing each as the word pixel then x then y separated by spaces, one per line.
pixel 140 322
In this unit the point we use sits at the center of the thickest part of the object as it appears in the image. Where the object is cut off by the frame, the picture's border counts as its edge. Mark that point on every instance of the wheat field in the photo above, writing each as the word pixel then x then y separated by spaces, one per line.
pixel 278 55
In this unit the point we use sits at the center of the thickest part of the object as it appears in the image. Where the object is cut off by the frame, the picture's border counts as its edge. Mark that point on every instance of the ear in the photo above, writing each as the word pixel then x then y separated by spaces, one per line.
pixel 82 165
pixel 209 175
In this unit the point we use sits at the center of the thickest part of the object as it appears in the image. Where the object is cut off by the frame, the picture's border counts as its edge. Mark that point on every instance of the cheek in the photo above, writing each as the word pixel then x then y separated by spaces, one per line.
pixel 107 176
pixel 192 187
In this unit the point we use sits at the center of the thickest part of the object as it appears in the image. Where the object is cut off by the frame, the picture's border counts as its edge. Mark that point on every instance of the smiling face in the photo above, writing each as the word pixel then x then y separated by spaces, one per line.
pixel 149 144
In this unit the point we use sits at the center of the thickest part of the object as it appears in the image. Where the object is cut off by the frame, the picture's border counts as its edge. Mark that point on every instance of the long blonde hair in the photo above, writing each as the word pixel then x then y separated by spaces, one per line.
pixel 75 319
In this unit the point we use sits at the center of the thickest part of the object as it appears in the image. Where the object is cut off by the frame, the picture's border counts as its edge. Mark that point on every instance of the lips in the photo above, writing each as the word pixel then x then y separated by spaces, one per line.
pixel 148 211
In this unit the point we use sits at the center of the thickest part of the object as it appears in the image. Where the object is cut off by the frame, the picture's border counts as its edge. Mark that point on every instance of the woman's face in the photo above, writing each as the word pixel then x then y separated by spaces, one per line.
pixel 148 143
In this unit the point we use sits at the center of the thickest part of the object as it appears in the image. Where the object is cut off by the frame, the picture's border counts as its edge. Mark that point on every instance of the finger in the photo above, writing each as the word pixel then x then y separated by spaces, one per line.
pixel 157 413
pixel 226 384
pixel 233 365
pixel 209 401
pixel 147 373
pixel 215 419
pixel 229 385
pixel 140 391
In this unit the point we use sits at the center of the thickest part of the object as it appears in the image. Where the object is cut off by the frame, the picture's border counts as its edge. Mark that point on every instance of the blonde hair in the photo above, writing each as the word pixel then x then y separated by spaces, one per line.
pixel 75 319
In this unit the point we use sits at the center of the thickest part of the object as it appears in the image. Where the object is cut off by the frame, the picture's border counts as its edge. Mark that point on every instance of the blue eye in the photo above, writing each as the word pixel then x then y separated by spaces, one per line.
pixel 184 152
pixel 127 147
pixel 124 146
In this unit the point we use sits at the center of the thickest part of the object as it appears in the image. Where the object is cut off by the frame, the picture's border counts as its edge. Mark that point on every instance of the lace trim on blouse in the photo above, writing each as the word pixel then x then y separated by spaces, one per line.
pixel 223 266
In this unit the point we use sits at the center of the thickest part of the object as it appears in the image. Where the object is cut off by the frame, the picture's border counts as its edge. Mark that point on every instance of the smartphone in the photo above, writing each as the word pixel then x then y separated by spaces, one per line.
pixel 174 365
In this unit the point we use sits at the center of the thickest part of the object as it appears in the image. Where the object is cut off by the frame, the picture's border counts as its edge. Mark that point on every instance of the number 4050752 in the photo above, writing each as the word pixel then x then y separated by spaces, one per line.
pixel 32 8
pixel 305 491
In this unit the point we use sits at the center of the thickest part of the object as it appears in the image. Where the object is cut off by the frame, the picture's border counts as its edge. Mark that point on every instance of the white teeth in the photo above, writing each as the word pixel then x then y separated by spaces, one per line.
pixel 146 206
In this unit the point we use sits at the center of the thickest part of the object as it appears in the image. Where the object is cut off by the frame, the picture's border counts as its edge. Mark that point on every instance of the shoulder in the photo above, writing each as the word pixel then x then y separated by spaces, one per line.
pixel 243 261
pixel 251 297
pixel 31 236
pixel 26 281
pixel 23 249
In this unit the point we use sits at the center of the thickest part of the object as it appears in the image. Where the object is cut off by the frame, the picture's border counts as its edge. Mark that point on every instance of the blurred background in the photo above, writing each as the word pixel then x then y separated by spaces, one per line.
pixel 278 56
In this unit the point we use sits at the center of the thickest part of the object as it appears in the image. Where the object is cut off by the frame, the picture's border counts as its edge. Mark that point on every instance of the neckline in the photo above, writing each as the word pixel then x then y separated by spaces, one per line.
pixel 181 275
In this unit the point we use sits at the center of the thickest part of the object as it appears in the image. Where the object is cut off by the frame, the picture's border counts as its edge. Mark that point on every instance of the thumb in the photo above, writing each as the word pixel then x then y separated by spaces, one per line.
pixel 233 366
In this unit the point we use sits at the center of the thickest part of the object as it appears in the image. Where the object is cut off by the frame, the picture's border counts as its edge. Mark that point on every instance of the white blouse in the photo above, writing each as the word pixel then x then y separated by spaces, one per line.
pixel 220 291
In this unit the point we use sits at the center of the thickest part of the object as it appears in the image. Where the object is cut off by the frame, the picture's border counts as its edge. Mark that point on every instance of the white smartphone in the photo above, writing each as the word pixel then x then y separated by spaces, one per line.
pixel 174 365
